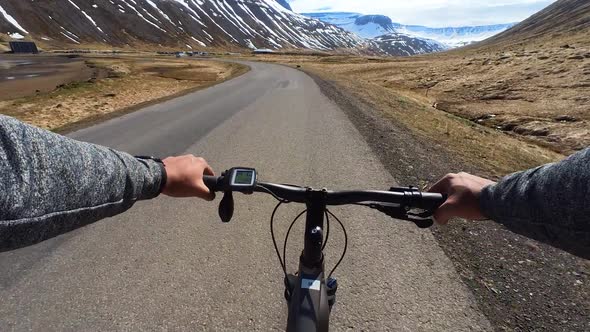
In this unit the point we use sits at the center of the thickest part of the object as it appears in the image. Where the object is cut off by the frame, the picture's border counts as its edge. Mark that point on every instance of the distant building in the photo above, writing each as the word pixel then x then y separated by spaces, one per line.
pixel 23 47
pixel 263 51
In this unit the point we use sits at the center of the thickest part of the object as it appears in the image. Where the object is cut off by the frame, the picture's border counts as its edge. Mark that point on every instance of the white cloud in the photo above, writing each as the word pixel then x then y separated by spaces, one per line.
pixel 432 12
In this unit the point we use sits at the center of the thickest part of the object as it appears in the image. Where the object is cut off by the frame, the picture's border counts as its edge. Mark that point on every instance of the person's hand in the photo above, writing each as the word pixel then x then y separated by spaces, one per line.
pixel 185 177
pixel 463 191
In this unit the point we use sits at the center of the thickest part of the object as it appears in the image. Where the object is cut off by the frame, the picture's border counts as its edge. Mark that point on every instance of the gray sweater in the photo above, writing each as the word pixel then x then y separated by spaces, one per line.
pixel 550 203
pixel 50 184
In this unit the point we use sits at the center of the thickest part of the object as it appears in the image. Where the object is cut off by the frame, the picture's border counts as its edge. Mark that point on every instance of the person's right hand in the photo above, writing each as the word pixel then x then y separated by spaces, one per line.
pixel 463 191
pixel 185 177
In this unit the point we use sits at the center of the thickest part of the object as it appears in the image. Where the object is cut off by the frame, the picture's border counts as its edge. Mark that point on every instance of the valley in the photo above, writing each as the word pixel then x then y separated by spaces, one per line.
pixel 336 99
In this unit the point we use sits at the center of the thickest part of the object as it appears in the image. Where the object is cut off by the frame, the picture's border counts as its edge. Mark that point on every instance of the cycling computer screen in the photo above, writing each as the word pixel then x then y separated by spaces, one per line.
pixel 243 178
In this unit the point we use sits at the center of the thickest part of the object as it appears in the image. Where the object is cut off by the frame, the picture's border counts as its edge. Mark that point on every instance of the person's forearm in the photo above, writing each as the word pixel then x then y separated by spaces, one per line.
pixel 550 203
pixel 50 184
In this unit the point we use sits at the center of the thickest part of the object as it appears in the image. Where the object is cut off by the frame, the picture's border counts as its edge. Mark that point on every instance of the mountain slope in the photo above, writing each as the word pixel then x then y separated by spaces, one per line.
pixel 371 26
pixel 563 21
pixel 171 23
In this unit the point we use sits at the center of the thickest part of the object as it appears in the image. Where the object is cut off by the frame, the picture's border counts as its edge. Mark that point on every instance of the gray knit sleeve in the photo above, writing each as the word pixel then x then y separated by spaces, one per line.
pixel 550 203
pixel 50 184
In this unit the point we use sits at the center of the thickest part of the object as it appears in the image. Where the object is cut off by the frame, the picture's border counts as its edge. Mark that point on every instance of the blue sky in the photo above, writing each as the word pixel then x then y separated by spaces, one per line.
pixel 435 13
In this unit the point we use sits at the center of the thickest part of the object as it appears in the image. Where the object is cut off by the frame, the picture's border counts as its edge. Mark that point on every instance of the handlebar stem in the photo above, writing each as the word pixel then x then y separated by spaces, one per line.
pixel 312 255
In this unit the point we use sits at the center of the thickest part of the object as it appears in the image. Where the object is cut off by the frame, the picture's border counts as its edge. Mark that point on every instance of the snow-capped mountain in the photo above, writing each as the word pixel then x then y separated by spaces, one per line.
pixel 173 23
pixel 455 37
pixel 366 26
pixel 382 33
pixel 399 44
pixel 371 26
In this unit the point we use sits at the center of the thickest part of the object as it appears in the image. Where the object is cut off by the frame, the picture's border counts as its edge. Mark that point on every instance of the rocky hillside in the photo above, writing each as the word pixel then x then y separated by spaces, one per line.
pixel 532 80
pixel 192 24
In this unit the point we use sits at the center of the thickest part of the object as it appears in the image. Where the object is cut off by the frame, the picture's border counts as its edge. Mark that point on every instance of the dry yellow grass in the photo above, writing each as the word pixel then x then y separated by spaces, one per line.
pixel 131 81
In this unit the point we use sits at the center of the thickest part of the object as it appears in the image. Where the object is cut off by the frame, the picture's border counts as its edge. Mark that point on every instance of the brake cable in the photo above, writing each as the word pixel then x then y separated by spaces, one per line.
pixel 274 241
pixel 287 237
pixel 345 241
pixel 273 195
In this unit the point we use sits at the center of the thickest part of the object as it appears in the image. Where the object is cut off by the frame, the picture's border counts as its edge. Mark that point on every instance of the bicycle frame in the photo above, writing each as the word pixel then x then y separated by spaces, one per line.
pixel 309 308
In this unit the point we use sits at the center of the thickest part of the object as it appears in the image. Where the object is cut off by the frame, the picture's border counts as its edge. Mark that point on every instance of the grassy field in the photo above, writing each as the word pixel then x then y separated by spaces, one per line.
pixel 124 84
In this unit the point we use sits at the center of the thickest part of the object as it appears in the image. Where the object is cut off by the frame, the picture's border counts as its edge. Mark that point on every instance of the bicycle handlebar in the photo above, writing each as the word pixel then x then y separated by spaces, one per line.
pixel 407 197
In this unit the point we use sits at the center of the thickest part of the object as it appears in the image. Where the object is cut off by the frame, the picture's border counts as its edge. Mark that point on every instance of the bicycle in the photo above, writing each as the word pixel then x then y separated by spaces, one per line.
pixel 309 294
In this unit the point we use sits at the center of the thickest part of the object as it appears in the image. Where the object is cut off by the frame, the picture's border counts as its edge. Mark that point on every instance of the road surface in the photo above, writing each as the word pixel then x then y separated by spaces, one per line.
pixel 172 265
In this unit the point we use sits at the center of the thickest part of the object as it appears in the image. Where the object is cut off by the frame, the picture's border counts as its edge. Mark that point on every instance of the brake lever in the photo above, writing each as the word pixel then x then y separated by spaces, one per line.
pixel 226 207
pixel 421 220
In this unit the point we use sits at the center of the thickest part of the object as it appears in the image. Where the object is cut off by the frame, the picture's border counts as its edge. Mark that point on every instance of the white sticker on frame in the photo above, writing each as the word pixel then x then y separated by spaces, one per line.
pixel 311 284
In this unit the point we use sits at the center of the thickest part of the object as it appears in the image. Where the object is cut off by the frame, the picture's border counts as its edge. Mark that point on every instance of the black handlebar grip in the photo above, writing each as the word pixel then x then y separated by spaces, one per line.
pixel 212 182
pixel 432 201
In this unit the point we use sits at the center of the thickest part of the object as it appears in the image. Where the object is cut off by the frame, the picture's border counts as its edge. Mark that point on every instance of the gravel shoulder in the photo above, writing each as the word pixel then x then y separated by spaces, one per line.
pixel 520 284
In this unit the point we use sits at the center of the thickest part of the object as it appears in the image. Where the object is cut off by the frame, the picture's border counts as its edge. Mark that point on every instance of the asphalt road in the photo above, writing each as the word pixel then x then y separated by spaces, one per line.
pixel 172 265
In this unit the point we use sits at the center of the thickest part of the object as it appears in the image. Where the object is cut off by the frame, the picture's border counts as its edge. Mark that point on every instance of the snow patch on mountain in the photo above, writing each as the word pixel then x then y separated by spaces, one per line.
pixel 11 20
pixel 16 35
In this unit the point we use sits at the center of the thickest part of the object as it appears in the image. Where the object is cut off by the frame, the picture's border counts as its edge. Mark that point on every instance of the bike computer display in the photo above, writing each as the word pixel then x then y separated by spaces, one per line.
pixel 242 179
